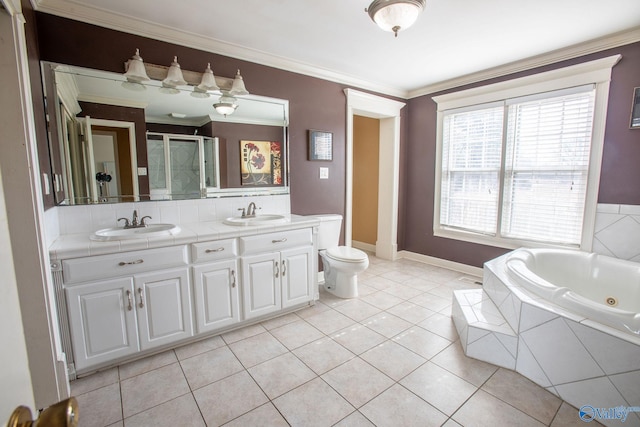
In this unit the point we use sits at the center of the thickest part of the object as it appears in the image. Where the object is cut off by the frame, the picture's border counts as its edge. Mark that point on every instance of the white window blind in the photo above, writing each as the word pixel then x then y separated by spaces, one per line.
pixel 472 142
pixel 519 170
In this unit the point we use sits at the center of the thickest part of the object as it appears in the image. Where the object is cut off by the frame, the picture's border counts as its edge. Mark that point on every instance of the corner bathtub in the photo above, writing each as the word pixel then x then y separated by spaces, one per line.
pixel 602 288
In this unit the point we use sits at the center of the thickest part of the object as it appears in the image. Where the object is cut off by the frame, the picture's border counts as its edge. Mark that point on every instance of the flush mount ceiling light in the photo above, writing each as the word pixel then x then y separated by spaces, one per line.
pixel 226 105
pixel 395 15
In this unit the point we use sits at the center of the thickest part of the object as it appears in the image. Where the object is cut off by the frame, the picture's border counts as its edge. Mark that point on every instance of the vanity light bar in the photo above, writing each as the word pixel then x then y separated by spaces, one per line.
pixel 193 78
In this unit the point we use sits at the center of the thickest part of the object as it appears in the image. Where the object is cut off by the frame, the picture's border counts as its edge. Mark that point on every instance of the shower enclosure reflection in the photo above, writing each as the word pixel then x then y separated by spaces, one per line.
pixel 180 166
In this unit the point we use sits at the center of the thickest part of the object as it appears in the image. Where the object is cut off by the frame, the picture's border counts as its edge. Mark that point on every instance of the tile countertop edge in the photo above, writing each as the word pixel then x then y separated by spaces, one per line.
pixel 80 245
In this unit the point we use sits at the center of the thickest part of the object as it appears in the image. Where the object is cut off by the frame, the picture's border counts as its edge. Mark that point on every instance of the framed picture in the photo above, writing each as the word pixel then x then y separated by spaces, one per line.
pixel 635 109
pixel 320 145
pixel 261 163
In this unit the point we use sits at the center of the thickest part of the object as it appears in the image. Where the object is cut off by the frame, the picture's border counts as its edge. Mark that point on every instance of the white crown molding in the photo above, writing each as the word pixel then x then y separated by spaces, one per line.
pixel 13 7
pixel 593 46
pixel 104 18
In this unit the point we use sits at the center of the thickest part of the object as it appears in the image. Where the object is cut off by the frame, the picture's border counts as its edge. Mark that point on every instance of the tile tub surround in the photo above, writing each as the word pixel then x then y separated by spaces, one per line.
pixel 617 231
pixel 577 359
pixel 294 370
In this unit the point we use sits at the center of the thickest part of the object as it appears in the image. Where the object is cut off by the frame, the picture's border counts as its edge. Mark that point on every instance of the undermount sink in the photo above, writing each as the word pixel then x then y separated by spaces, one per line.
pixel 255 220
pixel 150 230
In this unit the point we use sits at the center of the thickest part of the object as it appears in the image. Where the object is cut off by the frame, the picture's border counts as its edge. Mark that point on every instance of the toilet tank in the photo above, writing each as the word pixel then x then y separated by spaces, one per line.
pixel 329 230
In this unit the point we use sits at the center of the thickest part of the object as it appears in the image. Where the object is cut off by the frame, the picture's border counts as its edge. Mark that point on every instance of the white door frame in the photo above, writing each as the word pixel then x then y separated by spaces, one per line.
pixel 388 111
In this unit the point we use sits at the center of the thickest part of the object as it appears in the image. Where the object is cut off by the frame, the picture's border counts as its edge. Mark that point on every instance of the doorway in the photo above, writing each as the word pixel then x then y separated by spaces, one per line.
pixel 107 153
pixel 366 165
pixel 387 112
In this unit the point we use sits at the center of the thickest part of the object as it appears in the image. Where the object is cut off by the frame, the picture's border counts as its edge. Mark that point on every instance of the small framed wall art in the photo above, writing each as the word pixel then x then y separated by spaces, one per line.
pixel 320 145
pixel 635 109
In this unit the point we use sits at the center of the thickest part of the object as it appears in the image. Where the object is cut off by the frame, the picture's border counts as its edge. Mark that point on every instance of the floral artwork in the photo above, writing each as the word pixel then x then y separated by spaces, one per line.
pixel 261 162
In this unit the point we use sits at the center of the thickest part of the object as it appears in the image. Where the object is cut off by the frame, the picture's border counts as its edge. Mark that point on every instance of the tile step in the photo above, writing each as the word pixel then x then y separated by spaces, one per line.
pixel 484 332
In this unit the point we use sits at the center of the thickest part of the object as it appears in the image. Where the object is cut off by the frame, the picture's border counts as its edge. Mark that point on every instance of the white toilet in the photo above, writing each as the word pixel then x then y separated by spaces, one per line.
pixel 341 264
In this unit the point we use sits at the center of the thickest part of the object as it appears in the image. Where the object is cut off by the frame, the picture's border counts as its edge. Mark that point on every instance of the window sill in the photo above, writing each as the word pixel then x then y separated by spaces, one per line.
pixel 496 242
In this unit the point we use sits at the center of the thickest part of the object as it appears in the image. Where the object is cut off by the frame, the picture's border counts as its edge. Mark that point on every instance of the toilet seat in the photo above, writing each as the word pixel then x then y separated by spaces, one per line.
pixel 346 254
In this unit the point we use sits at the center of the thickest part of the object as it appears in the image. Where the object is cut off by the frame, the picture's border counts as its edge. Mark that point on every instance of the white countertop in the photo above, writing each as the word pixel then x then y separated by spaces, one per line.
pixel 80 245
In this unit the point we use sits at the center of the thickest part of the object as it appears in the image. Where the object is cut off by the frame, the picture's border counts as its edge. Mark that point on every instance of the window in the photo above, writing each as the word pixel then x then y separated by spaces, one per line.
pixel 518 162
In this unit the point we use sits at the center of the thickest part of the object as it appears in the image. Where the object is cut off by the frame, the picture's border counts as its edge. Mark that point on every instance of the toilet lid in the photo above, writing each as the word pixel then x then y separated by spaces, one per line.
pixel 346 254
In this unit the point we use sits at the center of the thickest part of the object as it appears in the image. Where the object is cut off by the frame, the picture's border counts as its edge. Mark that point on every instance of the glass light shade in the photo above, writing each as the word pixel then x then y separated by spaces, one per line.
pixel 237 88
pixel 199 93
pixel 395 15
pixel 208 80
pixel 136 72
pixel 174 75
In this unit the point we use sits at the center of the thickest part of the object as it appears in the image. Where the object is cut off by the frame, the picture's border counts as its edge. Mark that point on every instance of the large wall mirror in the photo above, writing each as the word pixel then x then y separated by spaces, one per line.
pixel 111 141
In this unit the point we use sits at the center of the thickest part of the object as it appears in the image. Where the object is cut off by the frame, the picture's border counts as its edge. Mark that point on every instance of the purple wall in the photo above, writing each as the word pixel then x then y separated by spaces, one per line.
pixel 313 103
pixel 619 182
pixel 320 104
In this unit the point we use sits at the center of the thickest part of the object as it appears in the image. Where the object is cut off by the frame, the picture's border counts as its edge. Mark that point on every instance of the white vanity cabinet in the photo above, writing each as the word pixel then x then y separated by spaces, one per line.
pixel 163 307
pixel 277 271
pixel 110 318
pixel 116 305
pixel 102 320
pixel 216 284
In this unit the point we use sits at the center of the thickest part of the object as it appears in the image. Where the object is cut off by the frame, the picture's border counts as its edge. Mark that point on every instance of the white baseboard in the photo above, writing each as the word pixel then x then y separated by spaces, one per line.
pixel 439 262
pixel 364 246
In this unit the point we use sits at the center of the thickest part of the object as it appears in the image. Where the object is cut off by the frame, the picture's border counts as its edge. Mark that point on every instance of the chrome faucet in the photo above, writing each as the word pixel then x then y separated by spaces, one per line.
pixel 134 221
pixel 251 210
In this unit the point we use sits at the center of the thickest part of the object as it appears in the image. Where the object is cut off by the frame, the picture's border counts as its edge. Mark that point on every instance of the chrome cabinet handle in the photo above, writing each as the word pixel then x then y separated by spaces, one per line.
pixel 208 251
pixel 141 305
pixel 138 261
pixel 284 239
pixel 284 268
pixel 277 270
pixel 130 306
pixel 233 275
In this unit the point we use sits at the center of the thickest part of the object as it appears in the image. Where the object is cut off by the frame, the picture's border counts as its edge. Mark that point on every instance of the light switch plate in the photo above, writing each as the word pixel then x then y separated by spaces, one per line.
pixel 142 171
pixel 324 173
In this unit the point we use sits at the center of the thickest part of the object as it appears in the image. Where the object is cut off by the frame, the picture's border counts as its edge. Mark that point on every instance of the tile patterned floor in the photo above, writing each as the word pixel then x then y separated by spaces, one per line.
pixel 388 358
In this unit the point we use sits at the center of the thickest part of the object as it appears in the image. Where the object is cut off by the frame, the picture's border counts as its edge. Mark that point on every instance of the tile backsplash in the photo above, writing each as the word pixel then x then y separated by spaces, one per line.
pixel 617 231
pixel 88 218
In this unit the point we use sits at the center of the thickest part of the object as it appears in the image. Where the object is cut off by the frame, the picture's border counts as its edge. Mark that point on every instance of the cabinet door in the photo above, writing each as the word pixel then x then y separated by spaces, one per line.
pixel 296 276
pixel 163 304
pixel 102 320
pixel 216 295
pixel 261 284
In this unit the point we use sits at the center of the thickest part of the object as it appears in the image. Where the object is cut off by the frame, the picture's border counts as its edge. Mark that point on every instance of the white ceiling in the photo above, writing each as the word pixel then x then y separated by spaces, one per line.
pixel 453 41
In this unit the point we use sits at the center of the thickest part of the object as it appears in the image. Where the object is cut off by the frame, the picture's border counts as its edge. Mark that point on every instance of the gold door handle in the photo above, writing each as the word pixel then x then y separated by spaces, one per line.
pixel 62 414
